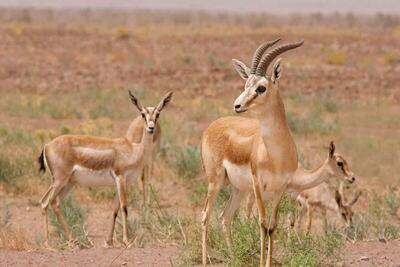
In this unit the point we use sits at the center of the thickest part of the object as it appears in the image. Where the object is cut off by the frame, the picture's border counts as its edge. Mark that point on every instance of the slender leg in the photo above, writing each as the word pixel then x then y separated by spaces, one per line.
pixel 309 217
pixel 272 227
pixel 150 176
pixel 249 205
pixel 143 179
pixel 49 197
pixel 213 189
pixel 45 217
pixel 325 220
pixel 261 216
pixel 109 241
pixel 121 185
pixel 228 213
pixel 55 205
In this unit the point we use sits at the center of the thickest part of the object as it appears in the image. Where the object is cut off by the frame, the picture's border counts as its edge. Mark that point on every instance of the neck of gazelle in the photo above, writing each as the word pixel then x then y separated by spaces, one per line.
pixel 276 136
pixel 306 179
pixel 145 143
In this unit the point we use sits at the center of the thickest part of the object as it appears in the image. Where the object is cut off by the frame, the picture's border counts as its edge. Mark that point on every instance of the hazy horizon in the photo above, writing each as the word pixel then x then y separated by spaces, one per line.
pixel 234 6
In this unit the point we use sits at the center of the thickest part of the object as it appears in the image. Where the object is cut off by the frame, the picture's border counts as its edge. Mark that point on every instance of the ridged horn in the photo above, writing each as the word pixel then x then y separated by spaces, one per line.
pixel 268 58
pixel 258 54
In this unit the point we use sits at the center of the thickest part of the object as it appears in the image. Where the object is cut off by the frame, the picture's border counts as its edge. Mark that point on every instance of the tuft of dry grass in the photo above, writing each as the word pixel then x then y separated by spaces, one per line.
pixel 14 239
pixel 336 57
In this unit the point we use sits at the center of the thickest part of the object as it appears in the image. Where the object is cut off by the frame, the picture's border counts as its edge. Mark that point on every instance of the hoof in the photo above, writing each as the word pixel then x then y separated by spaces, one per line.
pixel 47 245
pixel 73 244
pixel 127 243
pixel 108 244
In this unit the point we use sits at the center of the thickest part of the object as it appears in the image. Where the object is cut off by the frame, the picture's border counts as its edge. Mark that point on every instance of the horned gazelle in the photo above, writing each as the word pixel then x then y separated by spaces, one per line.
pixel 334 166
pixel 97 161
pixel 257 152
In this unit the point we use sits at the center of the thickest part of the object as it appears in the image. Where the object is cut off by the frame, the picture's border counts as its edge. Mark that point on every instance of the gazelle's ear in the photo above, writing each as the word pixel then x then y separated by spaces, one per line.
pixel 276 70
pixel 331 149
pixel 164 101
pixel 135 101
pixel 356 197
pixel 241 68
pixel 338 198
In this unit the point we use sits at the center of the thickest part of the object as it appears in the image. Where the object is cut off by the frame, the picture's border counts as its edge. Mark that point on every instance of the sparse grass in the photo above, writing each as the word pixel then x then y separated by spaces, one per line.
pixel 392 202
pixel 75 218
pixel 311 122
pixel 9 170
pixel 187 161
pixel 336 57
pixel 13 239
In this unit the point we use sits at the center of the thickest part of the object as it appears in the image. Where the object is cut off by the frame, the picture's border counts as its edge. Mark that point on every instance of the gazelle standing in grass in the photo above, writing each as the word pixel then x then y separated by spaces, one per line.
pixel 253 153
pixel 97 161
pixel 334 166
pixel 320 197
pixel 134 135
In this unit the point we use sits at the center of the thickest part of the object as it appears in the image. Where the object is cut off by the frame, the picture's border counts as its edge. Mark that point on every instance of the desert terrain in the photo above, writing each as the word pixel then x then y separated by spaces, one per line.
pixel 69 71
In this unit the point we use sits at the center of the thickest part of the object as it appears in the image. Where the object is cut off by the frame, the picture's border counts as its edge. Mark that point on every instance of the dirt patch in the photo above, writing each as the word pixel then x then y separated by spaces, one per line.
pixel 160 256
pixel 373 253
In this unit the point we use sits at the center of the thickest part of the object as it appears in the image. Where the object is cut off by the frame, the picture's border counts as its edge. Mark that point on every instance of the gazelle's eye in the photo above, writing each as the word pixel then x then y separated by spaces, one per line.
pixel 143 116
pixel 340 164
pixel 261 89
pixel 157 115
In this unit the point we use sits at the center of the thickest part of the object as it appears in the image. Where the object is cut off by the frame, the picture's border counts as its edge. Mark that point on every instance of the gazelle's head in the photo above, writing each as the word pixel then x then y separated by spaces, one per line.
pixel 260 87
pixel 339 166
pixel 150 115
pixel 345 209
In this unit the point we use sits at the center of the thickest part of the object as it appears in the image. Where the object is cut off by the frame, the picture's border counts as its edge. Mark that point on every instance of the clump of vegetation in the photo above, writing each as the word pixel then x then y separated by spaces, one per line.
pixel 11 238
pixel 9 169
pixel 336 57
pixel 75 218
pixel 187 161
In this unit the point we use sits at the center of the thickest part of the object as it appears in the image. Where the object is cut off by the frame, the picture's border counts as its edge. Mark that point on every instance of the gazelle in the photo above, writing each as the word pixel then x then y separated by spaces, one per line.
pixel 334 166
pixel 97 161
pixel 320 197
pixel 134 135
pixel 253 153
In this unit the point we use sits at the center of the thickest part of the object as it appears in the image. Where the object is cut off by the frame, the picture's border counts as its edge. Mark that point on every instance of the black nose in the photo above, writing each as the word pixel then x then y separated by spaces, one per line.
pixel 237 106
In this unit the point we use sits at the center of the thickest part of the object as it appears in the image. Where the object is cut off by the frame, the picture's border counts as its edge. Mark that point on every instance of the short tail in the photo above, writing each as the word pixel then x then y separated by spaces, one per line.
pixel 42 166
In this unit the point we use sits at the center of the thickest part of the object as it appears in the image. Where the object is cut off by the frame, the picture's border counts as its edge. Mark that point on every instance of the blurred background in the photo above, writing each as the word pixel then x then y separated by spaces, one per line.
pixel 66 68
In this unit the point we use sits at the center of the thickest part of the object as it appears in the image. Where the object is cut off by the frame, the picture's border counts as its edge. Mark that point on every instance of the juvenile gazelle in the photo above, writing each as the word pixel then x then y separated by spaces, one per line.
pixel 257 152
pixel 97 161
pixel 134 135
pixel 334 166
pixel 320 197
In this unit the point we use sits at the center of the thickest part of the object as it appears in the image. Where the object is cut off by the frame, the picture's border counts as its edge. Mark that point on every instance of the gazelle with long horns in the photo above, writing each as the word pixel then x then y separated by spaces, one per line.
pixel 253 153
pixel 97 161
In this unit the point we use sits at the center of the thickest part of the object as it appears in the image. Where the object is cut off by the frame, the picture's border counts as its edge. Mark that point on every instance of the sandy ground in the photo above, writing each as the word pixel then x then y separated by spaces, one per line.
pixel 90 257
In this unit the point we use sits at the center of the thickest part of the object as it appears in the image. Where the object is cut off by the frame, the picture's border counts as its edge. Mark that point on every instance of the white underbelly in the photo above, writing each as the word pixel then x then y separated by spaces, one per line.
pixel 239 175
pixel 89 177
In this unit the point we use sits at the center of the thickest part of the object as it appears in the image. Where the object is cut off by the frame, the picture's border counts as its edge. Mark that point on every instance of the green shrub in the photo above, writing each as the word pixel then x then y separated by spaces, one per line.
pixel 10 169
pixel 392 202
pixel 187 161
